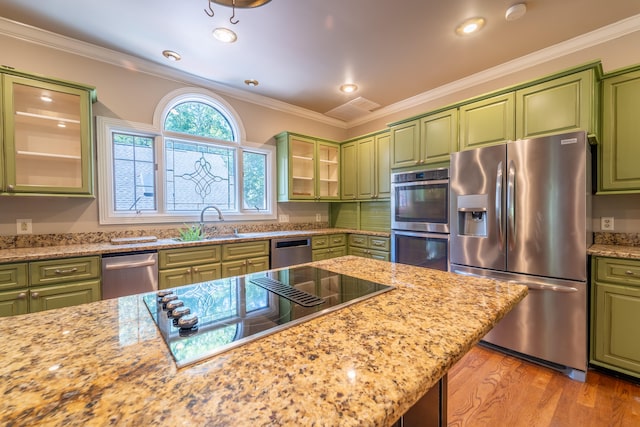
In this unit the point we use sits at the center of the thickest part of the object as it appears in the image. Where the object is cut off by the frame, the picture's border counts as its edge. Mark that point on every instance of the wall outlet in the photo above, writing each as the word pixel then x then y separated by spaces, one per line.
pixel 283 218
pixel 606 223
pixel 318 217
pixel 23 226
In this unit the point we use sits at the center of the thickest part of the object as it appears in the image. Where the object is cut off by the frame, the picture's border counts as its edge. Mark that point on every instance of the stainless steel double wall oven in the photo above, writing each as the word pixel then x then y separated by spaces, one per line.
pixel 420 218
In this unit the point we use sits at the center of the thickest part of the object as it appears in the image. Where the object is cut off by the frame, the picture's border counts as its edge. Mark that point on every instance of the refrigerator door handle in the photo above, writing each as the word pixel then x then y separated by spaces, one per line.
pixel 544 287
pixel 511 208
pixel 499 206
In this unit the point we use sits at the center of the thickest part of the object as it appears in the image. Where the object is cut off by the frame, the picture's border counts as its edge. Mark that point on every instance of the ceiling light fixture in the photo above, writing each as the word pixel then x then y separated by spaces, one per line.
pixel 348 88
pixel 171 55
pixel 470 26
pixel 516 11
pixel 251 82
pixel 225 35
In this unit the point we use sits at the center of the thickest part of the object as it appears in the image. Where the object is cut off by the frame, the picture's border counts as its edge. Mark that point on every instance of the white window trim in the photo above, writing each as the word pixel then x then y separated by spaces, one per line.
pixel 107 126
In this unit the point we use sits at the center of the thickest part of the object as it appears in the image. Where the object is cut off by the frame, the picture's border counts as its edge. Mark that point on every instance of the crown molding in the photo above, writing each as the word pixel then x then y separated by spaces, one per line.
pixel 52 40
pixel 56 41
pixel 601 35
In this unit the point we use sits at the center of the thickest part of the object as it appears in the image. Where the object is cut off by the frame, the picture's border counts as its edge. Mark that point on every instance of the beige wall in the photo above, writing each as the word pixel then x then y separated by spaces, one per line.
pixel 127 94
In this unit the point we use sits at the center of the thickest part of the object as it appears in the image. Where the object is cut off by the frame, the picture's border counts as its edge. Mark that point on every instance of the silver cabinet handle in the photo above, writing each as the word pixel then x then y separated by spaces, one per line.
pixel 69 271
pixel 195 269
pixel 35 295
pixel 22 295
pixel 629 273
pixel 10 187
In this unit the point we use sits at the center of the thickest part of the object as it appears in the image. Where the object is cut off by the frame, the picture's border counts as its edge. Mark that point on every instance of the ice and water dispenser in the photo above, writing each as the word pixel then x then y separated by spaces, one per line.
pixel 472 215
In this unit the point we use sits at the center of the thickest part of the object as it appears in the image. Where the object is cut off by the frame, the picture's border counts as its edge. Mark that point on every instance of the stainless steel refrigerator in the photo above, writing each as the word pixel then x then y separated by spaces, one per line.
pixel 521 211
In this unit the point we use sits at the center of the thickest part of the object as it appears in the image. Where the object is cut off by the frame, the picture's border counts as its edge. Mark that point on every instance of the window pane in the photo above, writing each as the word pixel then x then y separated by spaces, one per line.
pixel 133 173
pixel 198 175
pixel 197 118
pixel 254 184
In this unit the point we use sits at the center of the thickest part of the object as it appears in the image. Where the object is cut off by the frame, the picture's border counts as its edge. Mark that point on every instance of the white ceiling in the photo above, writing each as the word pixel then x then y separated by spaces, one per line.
pixel 301 51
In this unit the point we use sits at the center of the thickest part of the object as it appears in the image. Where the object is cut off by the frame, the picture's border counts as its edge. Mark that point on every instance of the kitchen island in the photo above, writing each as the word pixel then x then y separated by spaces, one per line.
pixel 105 363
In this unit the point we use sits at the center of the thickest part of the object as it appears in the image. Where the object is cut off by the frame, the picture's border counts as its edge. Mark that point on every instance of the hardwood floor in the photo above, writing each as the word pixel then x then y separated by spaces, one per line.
pixel 488 388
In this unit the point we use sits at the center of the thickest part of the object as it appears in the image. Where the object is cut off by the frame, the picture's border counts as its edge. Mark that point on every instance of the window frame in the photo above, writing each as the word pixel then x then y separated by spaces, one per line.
pixel 106 126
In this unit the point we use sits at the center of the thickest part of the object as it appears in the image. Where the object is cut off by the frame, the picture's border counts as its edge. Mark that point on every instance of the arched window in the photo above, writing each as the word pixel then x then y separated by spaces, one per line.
pixel 192 157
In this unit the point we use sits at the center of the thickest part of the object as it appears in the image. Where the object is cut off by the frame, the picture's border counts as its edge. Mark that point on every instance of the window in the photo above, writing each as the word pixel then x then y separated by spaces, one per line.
pixel 193 156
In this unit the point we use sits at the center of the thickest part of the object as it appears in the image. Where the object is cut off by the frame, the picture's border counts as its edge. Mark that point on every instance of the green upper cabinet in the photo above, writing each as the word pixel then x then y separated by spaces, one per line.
pixel 564 104
pixel 559 104
pixel 47 128
pixel 620 146
pixel 487 122
pixel 429 139
pixel 349 170
pixel 366 169
pixel 308 168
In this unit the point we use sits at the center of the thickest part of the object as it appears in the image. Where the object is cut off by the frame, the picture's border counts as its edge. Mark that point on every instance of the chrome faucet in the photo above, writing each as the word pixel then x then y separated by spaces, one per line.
pixel 220 217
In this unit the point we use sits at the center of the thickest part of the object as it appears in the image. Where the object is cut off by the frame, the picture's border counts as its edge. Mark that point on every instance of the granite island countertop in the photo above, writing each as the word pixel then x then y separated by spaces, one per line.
pixel 78 248
pixel 105 363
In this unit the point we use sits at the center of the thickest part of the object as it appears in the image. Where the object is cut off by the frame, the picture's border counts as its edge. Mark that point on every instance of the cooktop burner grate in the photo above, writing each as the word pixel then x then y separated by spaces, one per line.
pixel 303 298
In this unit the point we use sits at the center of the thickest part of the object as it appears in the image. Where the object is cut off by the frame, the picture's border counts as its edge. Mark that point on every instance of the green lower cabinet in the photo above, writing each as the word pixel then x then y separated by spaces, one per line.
pixel 173 277
pixel 616 315
pixel 49 297
pixel 244 266
pixel 373 247
pixel 14 302
pixel 328 246
pixel 619 150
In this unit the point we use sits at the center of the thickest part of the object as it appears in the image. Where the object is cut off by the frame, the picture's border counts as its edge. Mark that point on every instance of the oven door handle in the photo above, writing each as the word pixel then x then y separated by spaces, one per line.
pixel 440 236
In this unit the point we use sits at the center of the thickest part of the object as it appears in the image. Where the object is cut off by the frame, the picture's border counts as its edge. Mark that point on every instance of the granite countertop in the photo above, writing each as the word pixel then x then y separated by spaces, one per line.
pixel 105 363
pixel 87 249
pixel 615 251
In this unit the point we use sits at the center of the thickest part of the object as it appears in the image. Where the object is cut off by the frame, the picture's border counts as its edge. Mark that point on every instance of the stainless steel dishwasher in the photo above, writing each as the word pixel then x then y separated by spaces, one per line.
pixel 290 251
pixel 128 274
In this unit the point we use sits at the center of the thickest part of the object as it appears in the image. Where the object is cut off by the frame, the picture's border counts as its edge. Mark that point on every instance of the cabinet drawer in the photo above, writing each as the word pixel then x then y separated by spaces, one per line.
pixel 14 302
pixel 182 257
pixel 58 296
pixel 13 276
pixel 320 242
pixel 236 251
pixel 379 243
pixel 358 241
pixel 621 271
pixel 64 270
pixel 337 240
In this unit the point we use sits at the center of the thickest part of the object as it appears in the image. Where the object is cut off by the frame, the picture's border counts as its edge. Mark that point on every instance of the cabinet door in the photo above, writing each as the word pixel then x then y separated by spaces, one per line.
pixel 383 166
pixel 328 171
pixel 405 144
pixel 14 302
pixel 616 321
pixel 359 252
pixel 174 277
pixel 379 255
pixel 337 251
pixel 302 178
pixel 561 105
pixel 206 272
pixel 257 264
pixel 58 296
pixel 348 164
pixel 366 167
pixel 48 130
pixel 439 136
pixel 320 254
pixel 234 268
pixel 620 147
pixel 487 122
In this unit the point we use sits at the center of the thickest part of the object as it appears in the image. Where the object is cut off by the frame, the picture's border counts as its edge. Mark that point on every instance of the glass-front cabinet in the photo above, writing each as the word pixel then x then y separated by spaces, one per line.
pixel 46 138
pixel 308 168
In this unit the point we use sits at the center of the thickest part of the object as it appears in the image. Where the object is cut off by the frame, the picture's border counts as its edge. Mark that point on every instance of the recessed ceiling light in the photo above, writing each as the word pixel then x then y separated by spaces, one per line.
pixel 225 35
pixel 171 55
pixel 251 82
pixel 516 11
pixel 348 88
pixel 470 26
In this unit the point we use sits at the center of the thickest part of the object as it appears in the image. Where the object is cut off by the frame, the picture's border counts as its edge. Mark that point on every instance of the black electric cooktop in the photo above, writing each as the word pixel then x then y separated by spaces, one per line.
pixel 204 319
